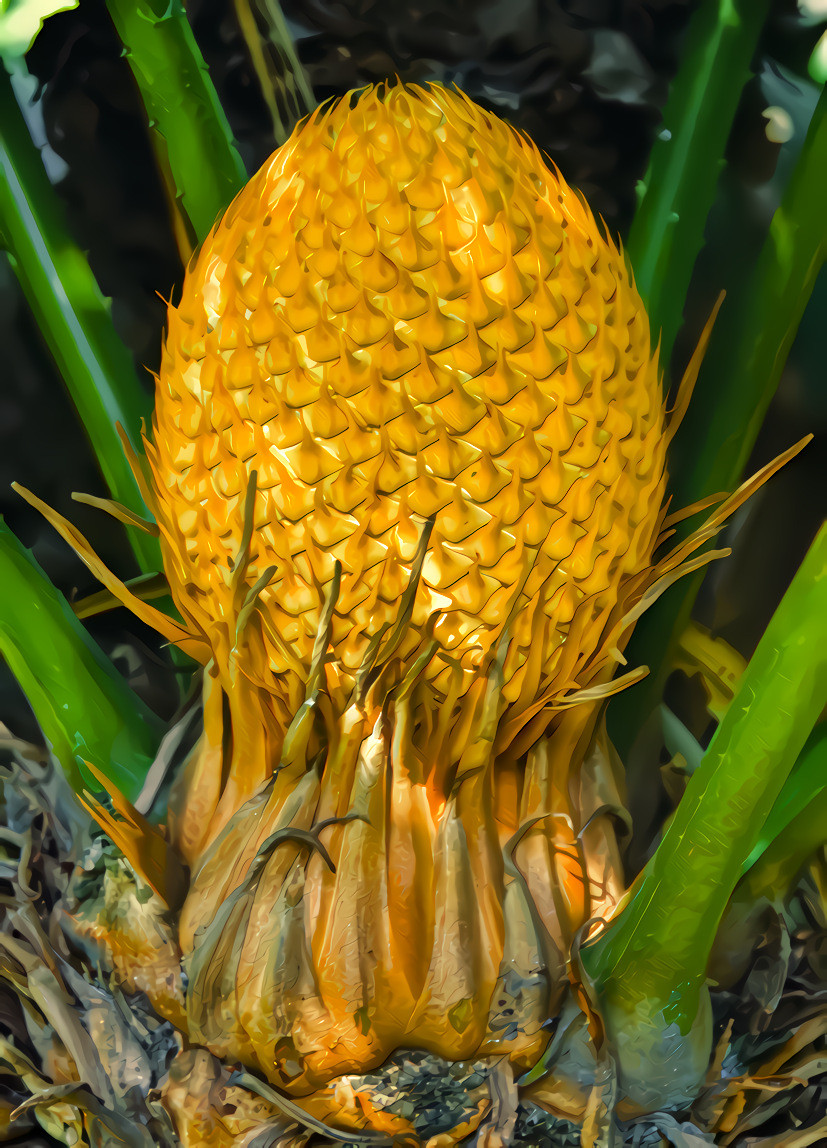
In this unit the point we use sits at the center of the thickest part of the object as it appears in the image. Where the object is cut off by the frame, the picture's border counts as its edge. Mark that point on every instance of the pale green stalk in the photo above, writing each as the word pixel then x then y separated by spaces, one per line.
pixel 84 707
pixel 72 314
pixel 647 968
pixel 193 139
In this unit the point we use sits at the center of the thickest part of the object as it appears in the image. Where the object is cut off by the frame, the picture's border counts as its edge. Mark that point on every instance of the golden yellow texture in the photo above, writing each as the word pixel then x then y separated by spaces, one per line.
pixel 406 315
pixel 408 470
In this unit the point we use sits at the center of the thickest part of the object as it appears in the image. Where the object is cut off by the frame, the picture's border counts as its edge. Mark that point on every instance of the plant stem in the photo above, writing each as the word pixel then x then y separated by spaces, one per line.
pixel 647 968
pixel 738 380
pixel 677 192
pixel 197 153
pixel 83 705
pixel 71 312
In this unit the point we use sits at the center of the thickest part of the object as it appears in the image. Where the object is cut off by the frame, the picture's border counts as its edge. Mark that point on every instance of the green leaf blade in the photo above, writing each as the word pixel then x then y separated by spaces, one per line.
pixel 198 155
pixel 653 956
pixel 677 192
pixel 83 705
pixel 71 312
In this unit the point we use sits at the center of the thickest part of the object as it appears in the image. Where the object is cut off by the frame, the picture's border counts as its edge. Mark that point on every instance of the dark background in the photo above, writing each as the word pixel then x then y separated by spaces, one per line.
pixel 585 78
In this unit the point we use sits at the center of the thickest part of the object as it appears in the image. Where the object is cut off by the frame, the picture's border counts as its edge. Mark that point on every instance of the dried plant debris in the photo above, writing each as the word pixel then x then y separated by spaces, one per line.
pixel 78 1057
pixel 84 1059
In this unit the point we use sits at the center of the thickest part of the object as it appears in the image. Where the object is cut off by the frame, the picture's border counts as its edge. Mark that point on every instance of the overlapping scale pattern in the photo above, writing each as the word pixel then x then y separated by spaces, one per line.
pixel 408 469
pixel 406 315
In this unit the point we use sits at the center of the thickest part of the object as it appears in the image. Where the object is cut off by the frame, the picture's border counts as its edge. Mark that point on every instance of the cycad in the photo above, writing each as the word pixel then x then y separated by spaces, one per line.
pixel 408 469
pixel 407 458
pixel 407 465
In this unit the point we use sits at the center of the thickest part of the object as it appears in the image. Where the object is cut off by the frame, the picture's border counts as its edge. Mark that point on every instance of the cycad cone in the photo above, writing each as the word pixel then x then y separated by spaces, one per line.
pixel 404 316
